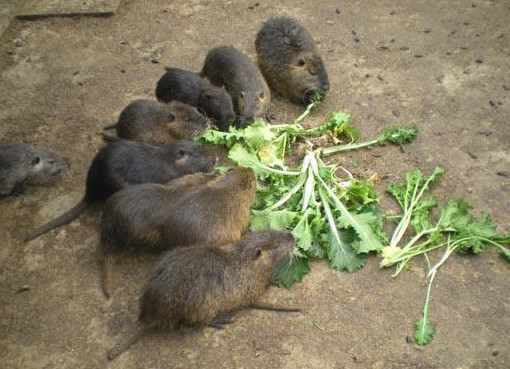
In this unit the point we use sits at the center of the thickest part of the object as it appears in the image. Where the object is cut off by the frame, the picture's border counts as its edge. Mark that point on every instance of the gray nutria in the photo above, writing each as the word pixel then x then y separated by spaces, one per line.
pixel 123 163
pixel 190 88
pixel 229 67
pixel 289 60
pixel 24 164
pixel 158 124
pixel 195 209
pixel 202 285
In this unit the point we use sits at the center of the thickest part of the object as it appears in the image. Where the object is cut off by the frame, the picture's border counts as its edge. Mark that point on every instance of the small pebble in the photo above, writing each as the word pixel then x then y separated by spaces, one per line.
pixel 80 83
pixel 330 22
pixel 396 113
pixel 418 55
pixel 24 288
pixel 18 42
pixel 472 155
pixel 380 78
pixel 479 60
pixel 123 42
pixel 9 52
pixel 382 46
pixel 492 103
pixel 453 31
pixel 404 47
pixel 337 10
pixel 473 5
pixel 76 72
pixel 440 79
pixel 393 12
pixel 122 71
pixel 464 48
pixel 501 35
pixel 427 30
pixel 154 61
pixel 356 40
pixel 503 173
pixel 495 353
pixel 506 87
pixel 466 23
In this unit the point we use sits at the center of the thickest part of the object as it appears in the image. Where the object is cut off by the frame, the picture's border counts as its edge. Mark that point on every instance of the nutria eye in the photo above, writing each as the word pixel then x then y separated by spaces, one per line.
pixel 301 62
pixel 262 95
pixel 181 153
pixel 36 160
pixel 257 253
pixel 242 94
pixel 171 117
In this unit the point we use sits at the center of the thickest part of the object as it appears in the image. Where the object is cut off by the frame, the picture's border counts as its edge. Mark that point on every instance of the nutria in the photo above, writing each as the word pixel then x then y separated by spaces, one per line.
pixel 158 124
pixel 190 88
pixel 201 285
pixel 194 209
pixel 229 67
pixel 24 164
pixel 123 163
pixel 289 60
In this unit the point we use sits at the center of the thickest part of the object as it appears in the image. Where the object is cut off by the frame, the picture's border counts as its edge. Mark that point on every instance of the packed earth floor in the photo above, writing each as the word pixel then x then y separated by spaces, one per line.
pixel 443 65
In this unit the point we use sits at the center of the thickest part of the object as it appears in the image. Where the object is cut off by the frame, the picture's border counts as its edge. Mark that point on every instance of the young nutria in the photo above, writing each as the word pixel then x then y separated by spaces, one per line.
pixel 158 124
pixel 229 67
pixel 195 209
pixel 123 163
pixel 201 285
pixel 289 60
pixel 24 164
pixel 188 87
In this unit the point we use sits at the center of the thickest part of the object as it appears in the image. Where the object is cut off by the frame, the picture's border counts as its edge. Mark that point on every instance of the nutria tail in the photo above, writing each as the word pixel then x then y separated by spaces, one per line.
pixel 65 218
pixel 111 126
pixel 107 274
pixel 127 341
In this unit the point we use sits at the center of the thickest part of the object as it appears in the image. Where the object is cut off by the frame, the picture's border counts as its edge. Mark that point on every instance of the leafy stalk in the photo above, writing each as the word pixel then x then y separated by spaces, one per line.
pixel 397 135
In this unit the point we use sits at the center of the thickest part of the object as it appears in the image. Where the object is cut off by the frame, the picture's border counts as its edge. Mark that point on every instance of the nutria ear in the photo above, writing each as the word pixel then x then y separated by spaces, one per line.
pixel 36 160
pixel 171 117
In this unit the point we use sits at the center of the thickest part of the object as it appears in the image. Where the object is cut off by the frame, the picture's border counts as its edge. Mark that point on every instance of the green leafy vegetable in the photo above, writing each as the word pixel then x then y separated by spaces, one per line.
pixel 397 135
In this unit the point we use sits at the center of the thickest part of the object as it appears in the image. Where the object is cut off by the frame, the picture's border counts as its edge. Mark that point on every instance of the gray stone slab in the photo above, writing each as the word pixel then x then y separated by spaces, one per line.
pixel 34 9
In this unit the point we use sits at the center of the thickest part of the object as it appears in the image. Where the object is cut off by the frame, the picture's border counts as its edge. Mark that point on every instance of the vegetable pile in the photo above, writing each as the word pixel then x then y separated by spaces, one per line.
pixel 338 218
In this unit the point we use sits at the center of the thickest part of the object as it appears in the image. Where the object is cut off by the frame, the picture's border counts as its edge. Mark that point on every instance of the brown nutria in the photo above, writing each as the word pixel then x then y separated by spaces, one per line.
pixel 25 164
pixel 194 209
pixel 202 285
pixel 123 163
pixel 229 67
pixel 190 88
pixel 158 124
pixel 289 60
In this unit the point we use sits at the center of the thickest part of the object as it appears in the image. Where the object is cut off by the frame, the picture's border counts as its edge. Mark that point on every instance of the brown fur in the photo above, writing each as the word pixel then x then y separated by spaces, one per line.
pixel 229 67
pixel 290 61
pixel 194 209
pixel 159 124
pixel 197 285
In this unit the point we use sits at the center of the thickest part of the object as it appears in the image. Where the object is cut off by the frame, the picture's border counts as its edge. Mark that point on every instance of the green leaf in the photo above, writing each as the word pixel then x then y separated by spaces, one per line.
pixel 342 256
pixel 362 224
pixel 303 233
pixel 280 219
pixel 291 270
pixel 424 331
pixel 398 135
pixel 258 134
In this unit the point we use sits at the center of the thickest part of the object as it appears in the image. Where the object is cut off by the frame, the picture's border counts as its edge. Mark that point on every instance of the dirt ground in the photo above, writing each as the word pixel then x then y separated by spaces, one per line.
pixel 442 64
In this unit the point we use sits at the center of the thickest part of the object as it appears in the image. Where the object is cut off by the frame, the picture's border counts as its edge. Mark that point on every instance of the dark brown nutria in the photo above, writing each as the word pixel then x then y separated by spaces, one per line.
pixel 289 60
pixel 203 284
pixel 195 209
pixel 229 67
pixel 159 124
pixel 190 88
pixel 123 163
pixel 24 164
